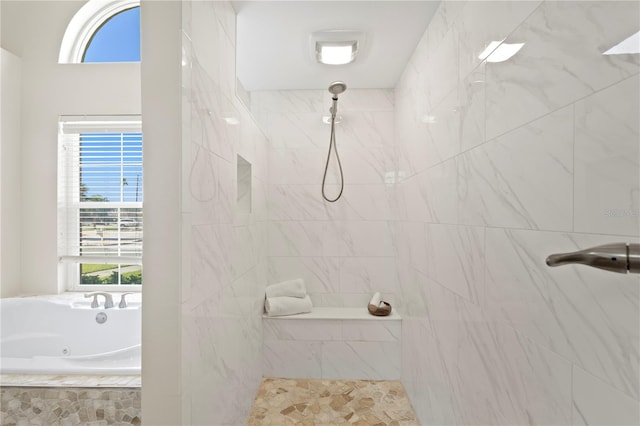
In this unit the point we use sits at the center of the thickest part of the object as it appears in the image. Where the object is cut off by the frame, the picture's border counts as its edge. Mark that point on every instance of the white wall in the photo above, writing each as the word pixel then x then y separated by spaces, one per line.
pixel 33 30
pixel 10 185
pixel 162 261
pixel 507 163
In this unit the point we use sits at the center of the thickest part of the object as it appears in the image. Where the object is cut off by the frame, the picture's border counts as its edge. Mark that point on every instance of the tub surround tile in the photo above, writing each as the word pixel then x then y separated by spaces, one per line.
pixel 56 380
pixel 70 406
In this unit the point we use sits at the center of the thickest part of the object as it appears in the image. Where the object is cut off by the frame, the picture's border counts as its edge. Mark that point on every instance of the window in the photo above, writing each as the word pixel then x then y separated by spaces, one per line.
pixel 103 31
pixel 100 214
pixel 117 40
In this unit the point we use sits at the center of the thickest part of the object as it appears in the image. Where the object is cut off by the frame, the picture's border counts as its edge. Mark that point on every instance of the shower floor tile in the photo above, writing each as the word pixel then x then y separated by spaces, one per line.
pixel 331 402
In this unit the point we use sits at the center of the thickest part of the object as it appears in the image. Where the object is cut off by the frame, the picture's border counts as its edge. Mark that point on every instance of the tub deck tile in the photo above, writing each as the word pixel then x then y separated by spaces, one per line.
pixel 57 380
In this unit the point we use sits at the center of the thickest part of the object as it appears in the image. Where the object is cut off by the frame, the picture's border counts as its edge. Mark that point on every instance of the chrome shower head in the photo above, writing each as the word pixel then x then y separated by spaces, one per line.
pixel 336 88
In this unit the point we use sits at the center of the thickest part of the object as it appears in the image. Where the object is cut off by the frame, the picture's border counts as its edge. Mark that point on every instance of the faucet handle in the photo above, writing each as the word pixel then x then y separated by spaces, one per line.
pixel 94 303
pixel 123 302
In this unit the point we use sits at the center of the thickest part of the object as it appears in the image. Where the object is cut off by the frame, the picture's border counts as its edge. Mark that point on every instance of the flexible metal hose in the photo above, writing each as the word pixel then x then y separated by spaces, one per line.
pixel 332 144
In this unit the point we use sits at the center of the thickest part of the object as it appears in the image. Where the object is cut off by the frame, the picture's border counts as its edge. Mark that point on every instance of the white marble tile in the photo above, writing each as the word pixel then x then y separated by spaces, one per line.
pixel 411 290
pixel 356 238
pixel 297 166
pixel 363 129
pixel 244 250
pixel 439 184
pixel 415 202
pixel 320 274
pixel 441 69
pixel 210 261
pixel 471 109
pixel 372 331
pixel 596 403
pixel 455 258
pixel 292 359
pixel 411 244
pixel 210 111
pixel 561 61
pixel 363 166
pixel 289 101
pixel 301 330
pixel 425 375
pixel 532 385
pixel 297 202
pixel 607 161
pixel 361 360
pixel 500 183
pixel 367 275
pixel 481 22
pixel 369 202
pixel 584 314
pixel 226 16
pixel 211 187
pixel 296 130
pixel 443 129
pixel 296 238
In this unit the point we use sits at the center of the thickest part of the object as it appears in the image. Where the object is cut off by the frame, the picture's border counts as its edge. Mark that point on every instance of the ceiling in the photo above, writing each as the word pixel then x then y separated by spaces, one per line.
pixel 274 53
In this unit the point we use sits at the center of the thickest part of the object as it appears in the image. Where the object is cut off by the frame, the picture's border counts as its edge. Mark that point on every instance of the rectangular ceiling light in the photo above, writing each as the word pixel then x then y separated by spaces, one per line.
pixel 336 53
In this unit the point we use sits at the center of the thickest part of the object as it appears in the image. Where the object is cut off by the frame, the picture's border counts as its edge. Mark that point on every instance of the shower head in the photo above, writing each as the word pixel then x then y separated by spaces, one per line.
pixel 336 88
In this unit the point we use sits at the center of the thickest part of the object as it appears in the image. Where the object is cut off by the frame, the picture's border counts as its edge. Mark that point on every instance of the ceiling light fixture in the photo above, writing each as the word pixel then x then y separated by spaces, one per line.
pixel 336 47
pixel 628 46
pixel 497 51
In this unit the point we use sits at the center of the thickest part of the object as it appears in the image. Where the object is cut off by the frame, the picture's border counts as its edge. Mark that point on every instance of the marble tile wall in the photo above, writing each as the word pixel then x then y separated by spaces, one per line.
pixel 343 250
pixel 332 348
pixel 224 245
pixel 504 163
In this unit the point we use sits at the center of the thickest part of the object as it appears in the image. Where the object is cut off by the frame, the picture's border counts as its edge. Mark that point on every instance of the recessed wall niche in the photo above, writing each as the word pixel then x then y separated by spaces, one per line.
pixel 243 182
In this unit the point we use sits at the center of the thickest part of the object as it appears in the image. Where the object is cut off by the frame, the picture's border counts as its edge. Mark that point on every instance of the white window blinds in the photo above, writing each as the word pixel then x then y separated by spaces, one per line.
pixel 100 221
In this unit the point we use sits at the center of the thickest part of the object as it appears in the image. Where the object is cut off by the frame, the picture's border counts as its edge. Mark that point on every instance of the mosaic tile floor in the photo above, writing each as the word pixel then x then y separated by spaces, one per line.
pixel 331 402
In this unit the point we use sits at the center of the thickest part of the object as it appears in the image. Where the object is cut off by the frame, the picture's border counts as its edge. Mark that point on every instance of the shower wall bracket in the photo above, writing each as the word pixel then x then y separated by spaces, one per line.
pixel 616 257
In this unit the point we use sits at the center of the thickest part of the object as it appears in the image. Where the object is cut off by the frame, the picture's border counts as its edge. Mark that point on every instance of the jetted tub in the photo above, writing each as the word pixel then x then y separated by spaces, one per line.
pixel 62 336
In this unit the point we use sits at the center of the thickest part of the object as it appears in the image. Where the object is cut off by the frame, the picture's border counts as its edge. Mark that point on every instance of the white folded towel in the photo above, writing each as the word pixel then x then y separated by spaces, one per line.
pixel 291 288
pixel 284 305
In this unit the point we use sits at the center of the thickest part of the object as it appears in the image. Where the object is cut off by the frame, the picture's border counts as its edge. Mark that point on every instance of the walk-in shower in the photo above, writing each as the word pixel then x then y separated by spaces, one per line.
pixel 335 88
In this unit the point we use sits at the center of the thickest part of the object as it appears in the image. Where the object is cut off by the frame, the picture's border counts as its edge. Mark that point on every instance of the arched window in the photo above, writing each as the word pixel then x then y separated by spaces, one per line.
pixel 103 31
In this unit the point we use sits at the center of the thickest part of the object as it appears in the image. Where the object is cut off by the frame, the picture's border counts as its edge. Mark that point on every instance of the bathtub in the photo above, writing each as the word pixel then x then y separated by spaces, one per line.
pixel 62 336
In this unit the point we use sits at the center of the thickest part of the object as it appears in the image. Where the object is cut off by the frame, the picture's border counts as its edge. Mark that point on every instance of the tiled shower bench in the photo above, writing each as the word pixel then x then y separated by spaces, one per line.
pixel 333 343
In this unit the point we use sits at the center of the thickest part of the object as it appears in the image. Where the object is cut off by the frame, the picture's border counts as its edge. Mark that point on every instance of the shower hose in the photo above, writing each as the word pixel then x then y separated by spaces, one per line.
pixel 332 144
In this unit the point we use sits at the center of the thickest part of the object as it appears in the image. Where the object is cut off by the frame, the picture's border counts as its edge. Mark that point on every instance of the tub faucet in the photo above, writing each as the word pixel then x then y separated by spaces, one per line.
pixel 123 303
pixel 108 300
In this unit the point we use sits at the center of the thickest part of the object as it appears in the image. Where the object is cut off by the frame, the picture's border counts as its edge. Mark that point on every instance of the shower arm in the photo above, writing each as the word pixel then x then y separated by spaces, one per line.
pixel 616 257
